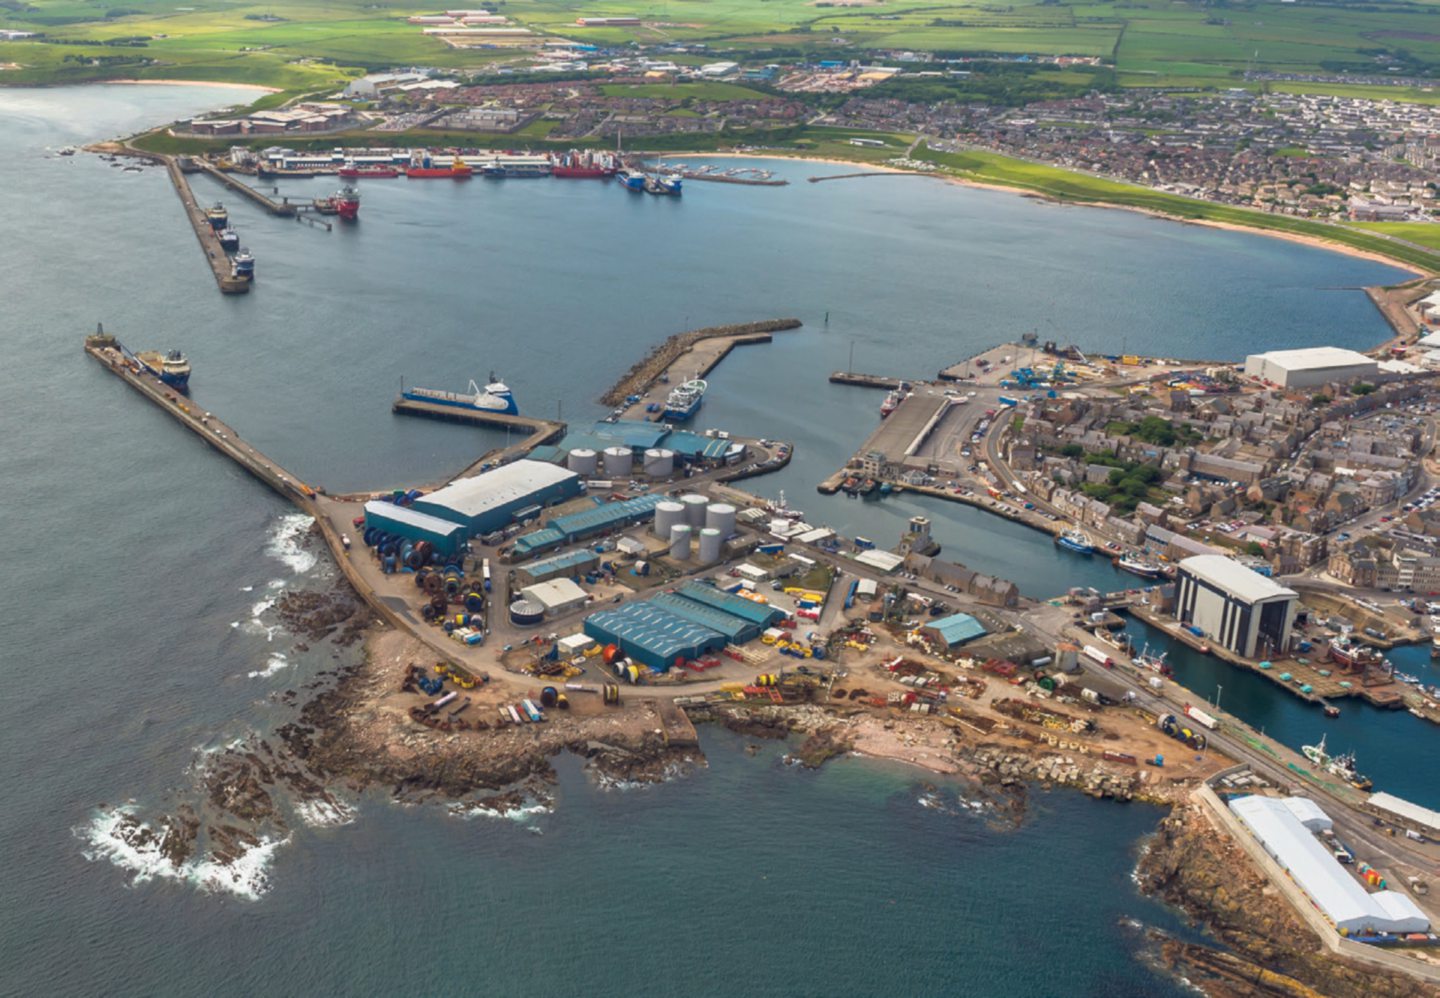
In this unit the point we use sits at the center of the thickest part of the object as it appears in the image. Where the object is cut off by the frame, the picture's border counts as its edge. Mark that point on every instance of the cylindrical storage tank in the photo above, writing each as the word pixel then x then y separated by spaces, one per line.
pixel 524 613
pixel 583 461
pixel 694 505
pixel 710 541
pixel 659 462
pixel 721 516
pixel 680 542
pixel 618 462
pixel 667 515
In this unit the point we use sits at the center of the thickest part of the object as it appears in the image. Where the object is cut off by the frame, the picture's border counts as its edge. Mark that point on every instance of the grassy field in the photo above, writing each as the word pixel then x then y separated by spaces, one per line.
pixel 314 42
pixel 1421 233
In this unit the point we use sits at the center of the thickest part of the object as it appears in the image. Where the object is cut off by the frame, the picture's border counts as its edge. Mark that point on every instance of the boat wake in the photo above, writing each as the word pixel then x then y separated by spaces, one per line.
pixel 139 848
pixel 286 543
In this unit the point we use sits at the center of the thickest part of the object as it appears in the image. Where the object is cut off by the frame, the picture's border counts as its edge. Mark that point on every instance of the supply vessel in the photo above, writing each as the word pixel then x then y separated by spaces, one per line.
pixel 495 397
pixel 245 265
pixel 631 180
pixel 217 216
pixel 171 368
pixel 423 167
pixel 347 203
pixel 684 400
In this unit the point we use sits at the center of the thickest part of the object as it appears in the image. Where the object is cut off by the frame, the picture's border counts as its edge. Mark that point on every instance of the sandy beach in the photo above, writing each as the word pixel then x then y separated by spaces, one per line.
pixel 191 83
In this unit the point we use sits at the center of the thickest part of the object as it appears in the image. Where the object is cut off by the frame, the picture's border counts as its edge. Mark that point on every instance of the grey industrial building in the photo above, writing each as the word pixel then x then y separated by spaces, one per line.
pixel 1236 608
pixel 1310 367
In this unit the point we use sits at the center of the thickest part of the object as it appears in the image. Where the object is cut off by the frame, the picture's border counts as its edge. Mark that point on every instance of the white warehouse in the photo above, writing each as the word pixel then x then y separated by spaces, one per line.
pixel 1334 890
pixel 1239 609
pixel 1310 367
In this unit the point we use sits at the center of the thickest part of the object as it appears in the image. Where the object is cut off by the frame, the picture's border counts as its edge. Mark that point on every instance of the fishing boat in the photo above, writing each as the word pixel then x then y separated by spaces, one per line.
pixel 494 397
pixel 172 368
pixel 1343 766
pixel 1077 541
pixel 1154 663
pixel 684 400
pixel 1143 567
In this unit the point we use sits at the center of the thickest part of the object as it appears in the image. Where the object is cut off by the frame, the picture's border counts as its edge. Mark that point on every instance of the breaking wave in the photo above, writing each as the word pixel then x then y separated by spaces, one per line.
pixel 140 855
pixel 273 664
pixel 285 543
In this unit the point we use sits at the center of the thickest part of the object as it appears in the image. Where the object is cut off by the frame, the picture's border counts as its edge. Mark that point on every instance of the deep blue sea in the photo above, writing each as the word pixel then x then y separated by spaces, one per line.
pixel 139 634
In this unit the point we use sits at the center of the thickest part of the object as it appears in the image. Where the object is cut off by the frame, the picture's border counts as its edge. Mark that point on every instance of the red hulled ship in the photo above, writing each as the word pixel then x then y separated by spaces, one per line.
pixel 347 203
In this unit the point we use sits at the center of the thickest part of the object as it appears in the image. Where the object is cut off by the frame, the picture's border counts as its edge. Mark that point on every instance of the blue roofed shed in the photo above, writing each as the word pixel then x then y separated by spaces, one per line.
pixel 405 521
pixel 954 630
pixel 652 635
pixel 736 629
pixel 760 614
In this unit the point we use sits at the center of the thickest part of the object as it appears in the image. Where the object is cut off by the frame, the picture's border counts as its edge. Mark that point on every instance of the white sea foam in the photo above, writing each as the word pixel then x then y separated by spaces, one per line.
pixel 522 815
pixel 247 589
pixel 245 878
pixel 273 664
pixel 284 543
pixel 325 813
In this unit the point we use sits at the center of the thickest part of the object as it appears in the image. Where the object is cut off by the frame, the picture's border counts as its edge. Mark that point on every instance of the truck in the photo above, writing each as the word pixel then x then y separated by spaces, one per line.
pixel 485 573
pixel 1006 400
pixel 1200 717
pixel 1099 657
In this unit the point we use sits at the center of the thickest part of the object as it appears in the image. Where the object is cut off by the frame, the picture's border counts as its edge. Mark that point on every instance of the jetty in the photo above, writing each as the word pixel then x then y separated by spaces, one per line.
pixel 280 209
pixel 704 355
pixel 864 380
pixel 537 431
pixel 215 254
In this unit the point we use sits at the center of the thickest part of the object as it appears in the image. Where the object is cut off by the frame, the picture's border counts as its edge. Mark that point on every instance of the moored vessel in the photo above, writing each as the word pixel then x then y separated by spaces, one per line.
pixel 891 403
pixel 665 186
pixel 495 397
pixel 576 165
pixel 631 180
pixel 1077 541
pixel 422 167
pixel 229 240
pixel 684 400
pixel 245 265
pixel 1143 567
pixel 217 216
pixel 172 368
pixel 351 171
pixel 347 203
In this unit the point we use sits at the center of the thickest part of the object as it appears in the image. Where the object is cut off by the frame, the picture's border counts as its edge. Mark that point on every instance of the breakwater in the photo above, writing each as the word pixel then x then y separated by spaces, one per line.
pixel 645 371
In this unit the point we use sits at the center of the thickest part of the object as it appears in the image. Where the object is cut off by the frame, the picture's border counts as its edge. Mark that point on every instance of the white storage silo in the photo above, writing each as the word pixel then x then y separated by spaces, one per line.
pixel 583 461
pixel 710 541
pixel 680 542
pixel 721 517
pixel 667 514
pixel 694 505
pixel 659 462
pixel 618 461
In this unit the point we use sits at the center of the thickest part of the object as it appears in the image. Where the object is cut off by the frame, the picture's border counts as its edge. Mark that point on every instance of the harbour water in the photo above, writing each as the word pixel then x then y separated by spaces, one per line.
pixel 140 632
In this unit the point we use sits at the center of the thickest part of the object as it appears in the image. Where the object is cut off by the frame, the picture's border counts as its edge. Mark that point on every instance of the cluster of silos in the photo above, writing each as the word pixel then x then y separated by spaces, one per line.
pixel 695 505
pixel 659 462
pixel 667 515
pixel 719 526
pixel 618 461
pixel 583 461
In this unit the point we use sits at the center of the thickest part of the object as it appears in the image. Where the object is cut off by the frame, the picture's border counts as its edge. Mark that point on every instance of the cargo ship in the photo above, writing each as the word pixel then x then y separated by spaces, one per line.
pixel 171 368
pixel 422 167
pixel 217 216
pixel 229 240
pixel 1143 567
pixel 352 172
pixel 286 173
pixel 576 165
pixel 631 180
pixel 347 203
pixel 1076 541
pixel 245 265
pixel 495 397
pixel 664 186
pixel 684 400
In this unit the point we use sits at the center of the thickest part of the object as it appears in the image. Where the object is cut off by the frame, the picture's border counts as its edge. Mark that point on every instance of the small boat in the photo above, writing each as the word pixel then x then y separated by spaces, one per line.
pixel 1331 710
pixel 1077 541
pixel 66 151
pixel 1143 567
pixel 1154 663
pixel 229 240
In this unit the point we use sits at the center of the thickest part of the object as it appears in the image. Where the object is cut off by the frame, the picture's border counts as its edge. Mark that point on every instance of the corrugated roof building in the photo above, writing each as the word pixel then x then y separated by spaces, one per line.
pixel 406 521
pixel 574 526
pixel 954 630
pixel 1242 610
pixel 569 565
pixel 1314 868
pixel 737 630
pixel 760 614
pixel 486 502
pixel 652 635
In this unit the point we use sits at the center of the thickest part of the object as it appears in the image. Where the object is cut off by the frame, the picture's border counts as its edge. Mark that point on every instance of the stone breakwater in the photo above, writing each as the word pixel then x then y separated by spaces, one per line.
pixel 646 370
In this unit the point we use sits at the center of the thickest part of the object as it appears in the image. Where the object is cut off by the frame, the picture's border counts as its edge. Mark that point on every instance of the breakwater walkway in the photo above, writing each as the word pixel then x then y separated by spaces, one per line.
pixel 537 431
pixel 215 254
pixel 280 209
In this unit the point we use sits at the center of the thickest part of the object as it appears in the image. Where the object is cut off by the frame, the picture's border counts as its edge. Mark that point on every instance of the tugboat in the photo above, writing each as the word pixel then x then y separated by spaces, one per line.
pixel 217 216
pixel 1076 540
pixel 229 240
pixel 496 397
pixel 347 203
pixel 245 265
pixel 684 400
pixel 172 368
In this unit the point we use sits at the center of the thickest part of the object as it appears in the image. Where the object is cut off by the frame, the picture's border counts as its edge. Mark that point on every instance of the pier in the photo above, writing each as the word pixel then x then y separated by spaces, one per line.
pixel 700 349
pixel 209 242
pixel 537 431
pixel 281 209
pixel 864 380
